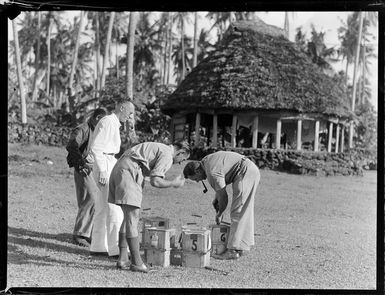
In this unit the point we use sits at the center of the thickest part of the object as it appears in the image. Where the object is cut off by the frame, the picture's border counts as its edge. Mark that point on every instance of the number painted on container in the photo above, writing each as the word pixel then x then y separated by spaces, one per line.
pixel 194 245
pixel 223 237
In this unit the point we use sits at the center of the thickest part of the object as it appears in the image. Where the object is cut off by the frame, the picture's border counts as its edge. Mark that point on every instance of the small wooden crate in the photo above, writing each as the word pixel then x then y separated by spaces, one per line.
pixel 196 240
pixel 219 237
pixel 176 256
pixel 218 249
pixel 159 238
pixel 190 259
pixel 219 233
pixel 158 222
pixel 157 257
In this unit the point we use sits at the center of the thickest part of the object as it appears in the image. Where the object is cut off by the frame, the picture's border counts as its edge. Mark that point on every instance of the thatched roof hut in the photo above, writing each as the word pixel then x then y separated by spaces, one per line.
pixel 256 70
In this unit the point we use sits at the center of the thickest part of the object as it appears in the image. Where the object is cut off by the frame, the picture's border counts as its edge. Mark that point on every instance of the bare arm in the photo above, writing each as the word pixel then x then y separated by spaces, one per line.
pixel 222 201
pixel 160 182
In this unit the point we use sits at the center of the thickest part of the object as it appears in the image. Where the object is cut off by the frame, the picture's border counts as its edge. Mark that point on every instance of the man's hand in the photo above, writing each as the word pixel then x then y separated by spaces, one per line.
pixel 218 218
pixel 103 177
pixel 216 205
pixel 85 169
pixel 178 181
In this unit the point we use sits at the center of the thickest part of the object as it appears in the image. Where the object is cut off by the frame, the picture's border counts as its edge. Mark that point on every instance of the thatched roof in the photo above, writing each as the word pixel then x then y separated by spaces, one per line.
pixel 256 68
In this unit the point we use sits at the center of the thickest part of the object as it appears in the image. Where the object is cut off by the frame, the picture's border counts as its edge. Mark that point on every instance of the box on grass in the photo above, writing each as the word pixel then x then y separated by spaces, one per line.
pixel 157 257
pixel 196 240
pixel 176 256
pixel 219 237
pixel 159 238
pixel 158 222
pixel 192 259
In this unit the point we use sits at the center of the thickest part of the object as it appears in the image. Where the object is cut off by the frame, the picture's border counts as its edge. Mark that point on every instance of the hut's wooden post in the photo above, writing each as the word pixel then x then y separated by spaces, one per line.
pixel 172 128
pixel 316 136
pixel 342 138
pixel 330 137
pixel 197 127
pixel 351 131
pixel 255 132
pixel 337 137
pixel 234 132
pixel 299 135
pixel 214 142
pixel 278 135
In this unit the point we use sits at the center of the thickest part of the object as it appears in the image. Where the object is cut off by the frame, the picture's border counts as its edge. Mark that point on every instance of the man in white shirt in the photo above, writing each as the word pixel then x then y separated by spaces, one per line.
pixel 105 143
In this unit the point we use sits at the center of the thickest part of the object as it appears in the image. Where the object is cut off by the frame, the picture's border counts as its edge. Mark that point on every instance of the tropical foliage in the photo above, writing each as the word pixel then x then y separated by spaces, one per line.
pixel 163 54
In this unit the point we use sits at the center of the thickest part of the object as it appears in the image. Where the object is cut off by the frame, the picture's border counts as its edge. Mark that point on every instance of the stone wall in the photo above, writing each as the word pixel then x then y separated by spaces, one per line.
pixel 304 162
pixel 298 162
pixel 38 134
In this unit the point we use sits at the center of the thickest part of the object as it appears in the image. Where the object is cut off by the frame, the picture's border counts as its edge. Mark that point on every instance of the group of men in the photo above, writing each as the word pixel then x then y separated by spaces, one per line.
pixel 109 191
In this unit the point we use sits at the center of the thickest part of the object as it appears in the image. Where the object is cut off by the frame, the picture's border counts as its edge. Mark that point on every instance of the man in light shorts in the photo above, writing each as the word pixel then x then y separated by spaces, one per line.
pixel 148 159
pixel 221 169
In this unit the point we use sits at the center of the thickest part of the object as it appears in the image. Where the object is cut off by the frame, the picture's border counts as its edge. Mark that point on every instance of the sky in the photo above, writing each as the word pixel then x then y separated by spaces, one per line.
pixel 327 22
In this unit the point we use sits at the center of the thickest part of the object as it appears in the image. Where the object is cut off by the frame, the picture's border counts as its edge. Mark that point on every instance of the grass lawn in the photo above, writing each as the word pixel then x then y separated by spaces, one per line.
pixel 310 232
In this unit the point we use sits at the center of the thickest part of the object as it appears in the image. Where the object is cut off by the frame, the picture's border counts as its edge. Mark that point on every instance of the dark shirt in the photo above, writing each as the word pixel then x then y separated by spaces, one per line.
pixel 77 145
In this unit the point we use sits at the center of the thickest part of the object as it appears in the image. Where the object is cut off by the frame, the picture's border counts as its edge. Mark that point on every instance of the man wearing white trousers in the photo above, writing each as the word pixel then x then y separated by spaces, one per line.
pixel 105 143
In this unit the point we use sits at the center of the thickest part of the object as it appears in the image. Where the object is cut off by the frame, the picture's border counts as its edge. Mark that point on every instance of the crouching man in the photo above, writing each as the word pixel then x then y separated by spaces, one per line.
pixel 223 168
pixel 148 159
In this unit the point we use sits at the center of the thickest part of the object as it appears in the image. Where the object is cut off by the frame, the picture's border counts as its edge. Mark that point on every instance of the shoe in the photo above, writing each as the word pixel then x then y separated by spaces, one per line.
pixel 228 255
pixel 123 265
pixel 140 268
pixel 80 241
pixel 99 254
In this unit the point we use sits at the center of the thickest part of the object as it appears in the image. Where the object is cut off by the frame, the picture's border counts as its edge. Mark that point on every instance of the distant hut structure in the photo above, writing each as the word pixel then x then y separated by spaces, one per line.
pixel 259 90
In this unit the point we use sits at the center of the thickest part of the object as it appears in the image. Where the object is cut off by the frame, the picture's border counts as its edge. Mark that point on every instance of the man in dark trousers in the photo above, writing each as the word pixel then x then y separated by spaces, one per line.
pixel 85 185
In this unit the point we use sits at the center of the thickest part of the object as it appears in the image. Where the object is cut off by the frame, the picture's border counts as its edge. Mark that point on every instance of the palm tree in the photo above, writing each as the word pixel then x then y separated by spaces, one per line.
pixel 48 76
pixel 356 58
pixel 19 73
pixel 107 48
pixel 71 98
pixel 37 57
pixel 221 21
pixel 195 54
pixel 181 17
pixel 130 56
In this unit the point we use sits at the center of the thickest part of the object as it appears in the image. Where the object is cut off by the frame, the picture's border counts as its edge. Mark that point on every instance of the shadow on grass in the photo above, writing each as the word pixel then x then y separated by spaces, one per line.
pixel 27 238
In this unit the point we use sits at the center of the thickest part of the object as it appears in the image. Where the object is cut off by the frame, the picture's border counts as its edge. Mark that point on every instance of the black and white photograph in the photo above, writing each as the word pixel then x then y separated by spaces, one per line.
pixel 192 149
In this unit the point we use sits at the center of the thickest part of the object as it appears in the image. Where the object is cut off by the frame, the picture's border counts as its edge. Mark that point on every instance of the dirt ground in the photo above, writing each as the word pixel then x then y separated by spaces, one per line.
pixel 310 232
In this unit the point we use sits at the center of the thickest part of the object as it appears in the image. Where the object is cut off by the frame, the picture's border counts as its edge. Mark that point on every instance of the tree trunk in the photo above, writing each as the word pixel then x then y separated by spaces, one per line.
pixel 107 49
pixel 130 56
pixel 195 40
pixel 183 60
pixel 286 25
pixel 71 97
pixel 166 44
pixel 37 58
pixel 356 59
pixel 346 72
pixel 97 39
pixel 363 94
pixel 19 74
pixel 169 65
pixel 49 54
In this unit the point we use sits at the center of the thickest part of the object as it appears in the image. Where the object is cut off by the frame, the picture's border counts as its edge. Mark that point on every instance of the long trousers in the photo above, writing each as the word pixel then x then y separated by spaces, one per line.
pixel 86 191
pixel 108 217
pixel 241 235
